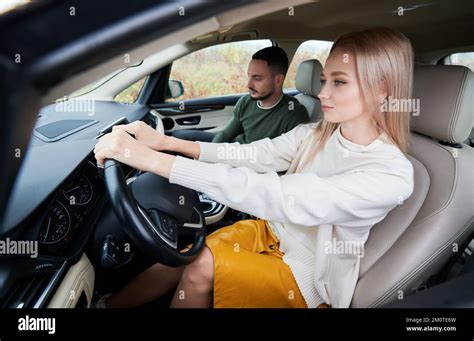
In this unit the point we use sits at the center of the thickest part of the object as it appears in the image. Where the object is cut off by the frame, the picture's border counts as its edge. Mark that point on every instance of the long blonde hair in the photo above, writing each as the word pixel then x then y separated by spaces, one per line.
pixel 384 62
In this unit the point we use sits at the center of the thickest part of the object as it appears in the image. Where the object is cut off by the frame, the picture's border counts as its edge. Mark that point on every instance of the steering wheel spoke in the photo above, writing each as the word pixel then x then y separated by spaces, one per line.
pixel 166 232
pixel 197 225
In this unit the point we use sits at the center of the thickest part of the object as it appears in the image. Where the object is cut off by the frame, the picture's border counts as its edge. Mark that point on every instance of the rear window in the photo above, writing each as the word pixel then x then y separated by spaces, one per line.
pixel 310 49
pixel 464 58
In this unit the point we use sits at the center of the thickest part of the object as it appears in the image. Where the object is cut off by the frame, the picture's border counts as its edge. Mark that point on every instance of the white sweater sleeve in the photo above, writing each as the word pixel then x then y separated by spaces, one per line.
pixel 356 198
pixel 266 155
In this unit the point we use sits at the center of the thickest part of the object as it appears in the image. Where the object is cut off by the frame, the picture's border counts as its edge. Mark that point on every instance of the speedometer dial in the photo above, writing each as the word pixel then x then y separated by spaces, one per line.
pixel 55 225
pixel 78 191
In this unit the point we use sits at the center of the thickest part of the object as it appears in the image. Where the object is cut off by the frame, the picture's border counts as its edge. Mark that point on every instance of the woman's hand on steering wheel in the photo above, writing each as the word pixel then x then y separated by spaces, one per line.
pixel 120 146
pixel 144 134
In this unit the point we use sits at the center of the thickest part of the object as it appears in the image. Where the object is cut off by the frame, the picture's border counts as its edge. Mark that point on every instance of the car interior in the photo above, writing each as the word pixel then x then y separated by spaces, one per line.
pixel 418 256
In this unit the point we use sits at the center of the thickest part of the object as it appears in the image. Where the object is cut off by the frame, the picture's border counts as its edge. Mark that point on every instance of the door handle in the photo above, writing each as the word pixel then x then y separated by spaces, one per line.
pixel 188 121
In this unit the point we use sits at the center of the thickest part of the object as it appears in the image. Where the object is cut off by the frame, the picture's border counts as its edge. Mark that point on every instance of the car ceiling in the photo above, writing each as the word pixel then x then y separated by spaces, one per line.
pixel 434 27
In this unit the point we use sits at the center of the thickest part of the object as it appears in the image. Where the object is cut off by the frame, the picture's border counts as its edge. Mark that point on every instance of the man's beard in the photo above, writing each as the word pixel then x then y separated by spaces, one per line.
pixel 262 98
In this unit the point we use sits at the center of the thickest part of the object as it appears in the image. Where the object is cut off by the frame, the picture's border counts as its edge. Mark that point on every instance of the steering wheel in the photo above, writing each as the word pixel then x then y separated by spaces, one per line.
pixel 155 213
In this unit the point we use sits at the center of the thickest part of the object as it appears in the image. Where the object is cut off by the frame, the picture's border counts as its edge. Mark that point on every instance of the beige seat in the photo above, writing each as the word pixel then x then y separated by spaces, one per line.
pixel 418 238
pixel 308 83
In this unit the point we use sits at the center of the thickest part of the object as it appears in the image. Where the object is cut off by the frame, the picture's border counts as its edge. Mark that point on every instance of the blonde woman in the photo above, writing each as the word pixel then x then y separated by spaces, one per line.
pixel 343 175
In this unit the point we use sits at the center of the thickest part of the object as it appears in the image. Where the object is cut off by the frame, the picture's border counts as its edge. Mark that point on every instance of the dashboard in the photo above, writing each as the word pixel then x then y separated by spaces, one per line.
pixel 62 217
pixel 67 218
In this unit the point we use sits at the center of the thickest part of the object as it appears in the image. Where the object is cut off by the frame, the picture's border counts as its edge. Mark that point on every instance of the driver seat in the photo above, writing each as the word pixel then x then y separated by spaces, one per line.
pixel 418 238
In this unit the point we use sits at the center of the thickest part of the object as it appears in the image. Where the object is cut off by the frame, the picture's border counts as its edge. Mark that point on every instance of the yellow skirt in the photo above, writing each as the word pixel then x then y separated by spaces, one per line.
pixel 249 271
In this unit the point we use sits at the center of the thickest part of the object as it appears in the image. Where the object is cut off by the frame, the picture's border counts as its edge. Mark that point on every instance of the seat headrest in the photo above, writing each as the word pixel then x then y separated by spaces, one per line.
pixel 446 102
pixel 308 77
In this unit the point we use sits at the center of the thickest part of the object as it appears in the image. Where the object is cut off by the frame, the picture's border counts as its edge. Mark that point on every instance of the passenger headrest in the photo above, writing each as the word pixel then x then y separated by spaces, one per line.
pixel 446 102
pixel 308 77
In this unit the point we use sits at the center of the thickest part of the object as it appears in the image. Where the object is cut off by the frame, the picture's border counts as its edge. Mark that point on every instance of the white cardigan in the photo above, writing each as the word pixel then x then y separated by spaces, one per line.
pixel 322 214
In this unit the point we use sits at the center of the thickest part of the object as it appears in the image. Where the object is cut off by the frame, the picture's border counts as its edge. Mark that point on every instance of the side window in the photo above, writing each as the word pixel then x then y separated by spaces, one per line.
pixel 214 71
pixel 130 94
pixel 310 49
pixel 465 58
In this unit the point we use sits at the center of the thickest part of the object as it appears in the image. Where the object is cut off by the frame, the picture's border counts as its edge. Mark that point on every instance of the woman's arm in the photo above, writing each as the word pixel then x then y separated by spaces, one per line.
pixel 360 197
pixel 266 155
pixel 151 138
pixel 120 146
pixel 189 148
pixel 357 198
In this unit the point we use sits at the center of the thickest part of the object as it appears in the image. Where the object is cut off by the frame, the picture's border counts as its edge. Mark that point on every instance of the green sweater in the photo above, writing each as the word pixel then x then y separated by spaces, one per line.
pixel 252 123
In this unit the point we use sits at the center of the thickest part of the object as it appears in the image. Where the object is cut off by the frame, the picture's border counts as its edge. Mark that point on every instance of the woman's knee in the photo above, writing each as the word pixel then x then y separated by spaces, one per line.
pixel 161 272
pixel 200 273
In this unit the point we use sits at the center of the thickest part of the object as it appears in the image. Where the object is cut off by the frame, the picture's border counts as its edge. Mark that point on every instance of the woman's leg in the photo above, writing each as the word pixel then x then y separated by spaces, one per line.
pixel 150 284
pixel 196 284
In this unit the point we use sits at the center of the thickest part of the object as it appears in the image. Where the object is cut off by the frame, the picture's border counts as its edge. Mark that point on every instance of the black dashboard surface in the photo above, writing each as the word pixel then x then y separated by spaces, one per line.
pixel 101 113
pixel 43 170
pixel 49 164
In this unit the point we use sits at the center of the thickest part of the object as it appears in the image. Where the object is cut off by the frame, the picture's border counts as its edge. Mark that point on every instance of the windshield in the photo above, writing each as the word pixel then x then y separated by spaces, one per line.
pixel 89 87
pixel 94 85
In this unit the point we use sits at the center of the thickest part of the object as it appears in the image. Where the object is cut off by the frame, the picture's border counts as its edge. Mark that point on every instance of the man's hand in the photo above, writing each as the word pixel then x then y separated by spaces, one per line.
pixel 124 148
pixel 144 134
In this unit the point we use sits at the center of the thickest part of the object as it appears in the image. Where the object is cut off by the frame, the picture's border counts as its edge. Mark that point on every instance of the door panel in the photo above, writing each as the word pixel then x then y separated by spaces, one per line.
pixel 210 121
pixel 210 114
pixel 78 281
